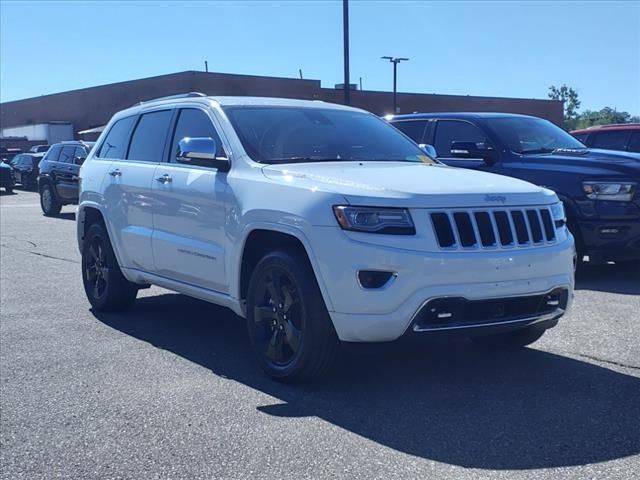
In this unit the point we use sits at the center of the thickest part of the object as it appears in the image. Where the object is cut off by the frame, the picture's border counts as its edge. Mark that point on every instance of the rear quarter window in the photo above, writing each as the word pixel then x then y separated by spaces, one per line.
pixel 634 142
pixel 53 154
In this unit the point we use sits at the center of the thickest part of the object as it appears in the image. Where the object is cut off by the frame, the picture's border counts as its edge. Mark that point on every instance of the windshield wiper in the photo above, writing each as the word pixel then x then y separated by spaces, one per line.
pixel 537 150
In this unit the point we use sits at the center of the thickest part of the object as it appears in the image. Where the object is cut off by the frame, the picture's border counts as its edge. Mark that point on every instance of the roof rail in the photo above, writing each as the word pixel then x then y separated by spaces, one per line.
pixel 614 125
pixel 171 97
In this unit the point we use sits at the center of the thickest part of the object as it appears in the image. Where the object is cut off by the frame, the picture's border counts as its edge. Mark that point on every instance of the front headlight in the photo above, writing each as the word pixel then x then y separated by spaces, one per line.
pixel 619 191
pixel 394 221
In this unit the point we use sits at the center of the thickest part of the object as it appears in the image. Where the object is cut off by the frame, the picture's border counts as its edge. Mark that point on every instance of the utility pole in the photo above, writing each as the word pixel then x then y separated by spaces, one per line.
pixel 345 34
pixel 206 66
pixel 395 62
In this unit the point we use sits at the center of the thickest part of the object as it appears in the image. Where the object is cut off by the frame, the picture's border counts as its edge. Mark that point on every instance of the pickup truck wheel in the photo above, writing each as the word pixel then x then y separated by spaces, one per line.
pixel 48 202
pixel 510 340
pixel 288 323
pixel 106 288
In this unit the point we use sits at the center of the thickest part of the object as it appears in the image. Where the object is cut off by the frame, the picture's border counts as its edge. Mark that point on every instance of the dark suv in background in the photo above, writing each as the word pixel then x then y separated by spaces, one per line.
pixel 599 188
pixel 624 137
pixel 26 168
pixel 59 170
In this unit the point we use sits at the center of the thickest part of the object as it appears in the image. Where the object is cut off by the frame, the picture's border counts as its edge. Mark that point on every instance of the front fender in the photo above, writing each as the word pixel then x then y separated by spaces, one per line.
pixel 235 260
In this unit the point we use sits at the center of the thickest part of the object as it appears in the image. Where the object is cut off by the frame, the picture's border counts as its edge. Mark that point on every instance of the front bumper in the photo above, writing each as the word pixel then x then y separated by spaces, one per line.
pixel 611 240
pixel 386 313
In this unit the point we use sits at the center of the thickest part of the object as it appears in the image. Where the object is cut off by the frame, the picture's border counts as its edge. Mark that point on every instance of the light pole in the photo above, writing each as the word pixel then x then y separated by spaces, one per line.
pixel 345 35
pixel 395 62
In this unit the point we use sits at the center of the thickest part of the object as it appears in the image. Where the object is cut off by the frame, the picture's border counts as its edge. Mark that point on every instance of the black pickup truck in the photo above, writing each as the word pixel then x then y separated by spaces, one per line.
pixel 599 188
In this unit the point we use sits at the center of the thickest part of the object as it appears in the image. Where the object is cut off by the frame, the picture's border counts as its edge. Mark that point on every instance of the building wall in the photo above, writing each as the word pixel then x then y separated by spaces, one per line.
pixel 90 107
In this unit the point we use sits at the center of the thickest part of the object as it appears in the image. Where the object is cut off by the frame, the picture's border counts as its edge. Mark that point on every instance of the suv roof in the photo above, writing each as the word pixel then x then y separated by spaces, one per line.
pixel 75 142
pixel 226 101
pixel 471 115
pixel 613 126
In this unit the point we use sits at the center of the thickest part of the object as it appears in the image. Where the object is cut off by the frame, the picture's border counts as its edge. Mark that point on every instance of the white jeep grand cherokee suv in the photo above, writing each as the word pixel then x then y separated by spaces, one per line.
pixel 318 223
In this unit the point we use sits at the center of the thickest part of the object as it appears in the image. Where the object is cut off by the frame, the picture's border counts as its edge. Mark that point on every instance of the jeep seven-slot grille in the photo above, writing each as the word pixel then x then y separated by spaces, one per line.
pixel 493 228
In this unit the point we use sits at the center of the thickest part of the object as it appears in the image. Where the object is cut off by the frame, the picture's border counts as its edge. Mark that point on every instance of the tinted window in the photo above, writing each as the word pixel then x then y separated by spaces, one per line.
pixel 115 145
pixel 304 134
pixel 54 153
pixel 66 155
pixel 449 131
pixel 79 155
pixel 148 139
pixel 581 136
pixel 193 123
pixel 612 140
pixel 532 135
pixel 634 143
pixel 414 129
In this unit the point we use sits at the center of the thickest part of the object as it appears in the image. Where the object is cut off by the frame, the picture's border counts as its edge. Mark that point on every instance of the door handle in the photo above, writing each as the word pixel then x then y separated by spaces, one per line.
pixel 166 178
pixel 115 173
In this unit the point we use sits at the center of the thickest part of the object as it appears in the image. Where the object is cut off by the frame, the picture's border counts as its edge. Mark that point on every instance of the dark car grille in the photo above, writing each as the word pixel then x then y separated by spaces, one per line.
pixel 471 229
pixel 458 312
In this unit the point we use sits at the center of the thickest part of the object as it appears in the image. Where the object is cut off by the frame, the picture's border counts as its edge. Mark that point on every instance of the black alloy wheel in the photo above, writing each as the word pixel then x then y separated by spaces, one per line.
pixel 278 314
pixel 104 284
pixel 96 268
pixel 290 329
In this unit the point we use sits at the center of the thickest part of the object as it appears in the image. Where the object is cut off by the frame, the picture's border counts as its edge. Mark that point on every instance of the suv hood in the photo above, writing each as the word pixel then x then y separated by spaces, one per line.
pixel 410 184
pixel 589 162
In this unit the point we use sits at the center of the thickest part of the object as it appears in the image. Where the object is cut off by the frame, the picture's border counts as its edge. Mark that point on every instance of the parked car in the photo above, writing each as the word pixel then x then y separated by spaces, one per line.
pixel 58 180
pixel 8 154
pixel 319 223
pixel 39 149
pixel 26 167
pixel 599 188
pixel 7 180
pixel 624 136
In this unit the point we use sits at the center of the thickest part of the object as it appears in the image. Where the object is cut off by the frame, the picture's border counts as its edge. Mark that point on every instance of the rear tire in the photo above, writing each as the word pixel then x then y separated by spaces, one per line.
pixel 288 323
pixel 106 288
pixel 510 340
pixel 48 202
pixel 8 189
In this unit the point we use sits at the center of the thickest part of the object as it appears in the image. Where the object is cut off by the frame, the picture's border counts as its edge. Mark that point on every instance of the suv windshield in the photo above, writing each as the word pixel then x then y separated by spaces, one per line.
pixel 532 135
pixel 298 134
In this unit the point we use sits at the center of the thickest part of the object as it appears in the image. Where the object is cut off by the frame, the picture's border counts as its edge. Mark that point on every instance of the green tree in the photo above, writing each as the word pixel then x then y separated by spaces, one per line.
pixel 606 116
pixel 569 98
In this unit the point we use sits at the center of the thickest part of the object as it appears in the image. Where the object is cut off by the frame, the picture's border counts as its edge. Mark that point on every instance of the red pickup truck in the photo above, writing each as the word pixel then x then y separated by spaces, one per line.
pixel 625 137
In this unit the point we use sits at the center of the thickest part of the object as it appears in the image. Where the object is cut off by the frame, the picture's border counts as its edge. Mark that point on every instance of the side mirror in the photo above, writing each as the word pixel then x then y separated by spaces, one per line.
pixel 79 160
pixel 471 150
pixel 201 151
pixel 430 150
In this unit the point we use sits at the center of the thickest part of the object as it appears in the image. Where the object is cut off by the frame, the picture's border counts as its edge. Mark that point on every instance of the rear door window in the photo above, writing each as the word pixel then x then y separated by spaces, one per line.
pixel 66 155
pixel 149 138
pixel 414 129
pixel 634 142
pixel 611 140
pixel 115 145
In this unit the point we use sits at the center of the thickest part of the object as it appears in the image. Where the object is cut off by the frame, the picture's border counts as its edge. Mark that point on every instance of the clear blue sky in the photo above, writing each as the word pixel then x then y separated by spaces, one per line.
pixel 513 49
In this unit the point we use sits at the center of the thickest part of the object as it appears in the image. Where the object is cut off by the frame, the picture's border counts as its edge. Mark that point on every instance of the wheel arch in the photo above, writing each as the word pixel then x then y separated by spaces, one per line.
pixel 257 240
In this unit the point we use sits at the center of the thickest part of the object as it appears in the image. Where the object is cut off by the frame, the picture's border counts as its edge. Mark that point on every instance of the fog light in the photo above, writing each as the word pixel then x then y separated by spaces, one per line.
pixel 374 278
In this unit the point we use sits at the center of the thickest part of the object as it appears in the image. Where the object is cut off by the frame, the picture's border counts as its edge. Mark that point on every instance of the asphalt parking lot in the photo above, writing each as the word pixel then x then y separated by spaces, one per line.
pixel 171 390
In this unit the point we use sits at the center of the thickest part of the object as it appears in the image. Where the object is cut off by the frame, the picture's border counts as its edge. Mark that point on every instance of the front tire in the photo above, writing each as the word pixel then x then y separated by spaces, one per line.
pixel 288 323
pixel 510 340
pixel 106 288
pixel 48 201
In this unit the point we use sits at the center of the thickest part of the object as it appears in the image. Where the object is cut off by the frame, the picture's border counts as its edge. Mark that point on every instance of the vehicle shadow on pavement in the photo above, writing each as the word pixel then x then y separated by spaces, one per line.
pixel 441 400
pixel 66 216
pixel 621 278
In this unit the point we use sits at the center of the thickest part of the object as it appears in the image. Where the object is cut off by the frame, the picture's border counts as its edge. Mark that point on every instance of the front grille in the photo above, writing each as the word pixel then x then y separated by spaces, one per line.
pixel 458 312
pixel 514 227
